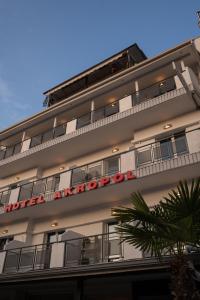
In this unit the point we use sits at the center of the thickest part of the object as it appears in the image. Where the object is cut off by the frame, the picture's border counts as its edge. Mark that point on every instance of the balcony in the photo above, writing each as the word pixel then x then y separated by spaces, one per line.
pixel 154 165
pixel 162 96
pixel 72 255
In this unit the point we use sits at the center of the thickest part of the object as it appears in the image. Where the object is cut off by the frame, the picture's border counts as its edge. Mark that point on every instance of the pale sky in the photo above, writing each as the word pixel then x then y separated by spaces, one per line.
pixel 44 42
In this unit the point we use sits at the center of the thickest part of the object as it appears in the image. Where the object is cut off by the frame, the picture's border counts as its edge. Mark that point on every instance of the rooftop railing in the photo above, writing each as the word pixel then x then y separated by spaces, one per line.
pixel 150 92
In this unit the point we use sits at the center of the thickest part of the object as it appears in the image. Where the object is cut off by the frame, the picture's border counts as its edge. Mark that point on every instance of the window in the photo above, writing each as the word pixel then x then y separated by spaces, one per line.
pixel 114 250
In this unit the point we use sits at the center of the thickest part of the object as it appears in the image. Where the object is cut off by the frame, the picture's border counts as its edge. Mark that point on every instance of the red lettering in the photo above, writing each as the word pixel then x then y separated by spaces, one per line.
pixel 23 203
pixel 40 199
pixel 32 201
pixel 92 185
pixel 130 175
pixel 105 180
pixel 16 206
pixel 118 178
pixel 8 208
pixel 57 195
pixel 68 191
pixel 80 188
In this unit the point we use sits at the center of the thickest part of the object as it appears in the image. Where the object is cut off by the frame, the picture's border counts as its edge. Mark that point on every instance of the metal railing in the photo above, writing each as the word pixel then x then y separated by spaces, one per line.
pixel 170 147
pixel 145 94
pixel 162 150
pixel 86 250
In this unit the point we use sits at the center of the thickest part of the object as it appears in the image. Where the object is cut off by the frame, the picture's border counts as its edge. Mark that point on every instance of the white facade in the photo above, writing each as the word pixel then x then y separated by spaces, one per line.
pixel 142 124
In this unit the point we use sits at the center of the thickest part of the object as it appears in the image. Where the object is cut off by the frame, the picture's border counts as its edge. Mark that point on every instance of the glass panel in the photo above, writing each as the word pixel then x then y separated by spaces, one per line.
pixel 36 140
pixel 11 260
pixel 91 250
pixel 48 135
pixel 144 156
pixel 181 144
pixel 98 114
pixel 25 191
pixel 27 258
pixel 95 171
pixel 2 154
pixel 111 165
pixel 73 252
pixel 79 175
pixel 42 257
pixel 112 109
pixel 84 120
pixel 59 130
pixel 9 151
pixel 166 149
pixel 39 187
pixel 52 183
pixel 4 197
pixel 17 148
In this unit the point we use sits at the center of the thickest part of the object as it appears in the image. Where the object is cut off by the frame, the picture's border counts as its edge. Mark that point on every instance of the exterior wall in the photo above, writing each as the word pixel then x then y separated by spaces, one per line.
pixel 30 174
pixel 84 160
pixel 180 122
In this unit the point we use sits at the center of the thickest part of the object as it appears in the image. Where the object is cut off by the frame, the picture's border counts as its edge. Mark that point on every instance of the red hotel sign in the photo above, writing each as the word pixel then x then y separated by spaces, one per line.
pixel 80 188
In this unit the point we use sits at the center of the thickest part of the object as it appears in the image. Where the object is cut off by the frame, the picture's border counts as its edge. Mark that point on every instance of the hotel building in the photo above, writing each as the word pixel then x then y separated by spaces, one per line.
pixel 126 124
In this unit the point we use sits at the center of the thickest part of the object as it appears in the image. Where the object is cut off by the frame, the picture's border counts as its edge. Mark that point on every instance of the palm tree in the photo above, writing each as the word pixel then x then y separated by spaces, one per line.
pixel 171 227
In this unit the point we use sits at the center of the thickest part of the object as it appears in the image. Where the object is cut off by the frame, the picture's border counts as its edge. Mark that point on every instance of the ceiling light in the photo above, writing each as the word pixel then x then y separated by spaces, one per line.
pixel 61 168
pixel 115 149
pixel 161 84
pixel 113 104
pixel 167 126
pixel 17 177
pixel 5 231
pixel 54 224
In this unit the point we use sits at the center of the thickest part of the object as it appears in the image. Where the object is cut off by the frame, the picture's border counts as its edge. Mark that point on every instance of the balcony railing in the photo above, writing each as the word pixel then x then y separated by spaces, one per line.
pixel 168 148
pixel 162 150
pixel 153 91
pixel 86 250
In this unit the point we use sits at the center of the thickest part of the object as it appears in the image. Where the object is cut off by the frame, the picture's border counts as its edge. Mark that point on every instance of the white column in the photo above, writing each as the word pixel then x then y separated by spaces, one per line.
pixel 57 255
pixel 71 126
pixel 54 122
pixel 26 145
pixel 125 103
pixel 14 194
pixel 65 180
pixel 92 110
pixel 128 161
